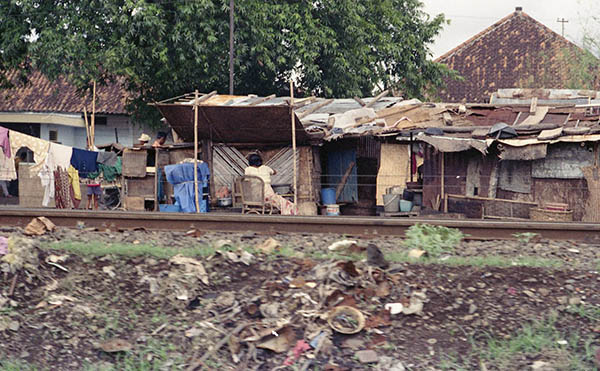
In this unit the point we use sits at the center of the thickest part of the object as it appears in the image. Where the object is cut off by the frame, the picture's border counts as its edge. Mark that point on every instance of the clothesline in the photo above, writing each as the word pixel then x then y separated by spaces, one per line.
pixel 49 158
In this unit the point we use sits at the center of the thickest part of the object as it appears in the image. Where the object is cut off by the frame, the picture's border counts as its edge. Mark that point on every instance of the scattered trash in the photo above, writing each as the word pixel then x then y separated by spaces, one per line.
pixel 192 266
pixel 317 339
pixel 416 253
pixel 301 347
pixel 279 343
pixel 242 256
pixel 268 246
pixel 367 356
pixel 115 345
pixel 110 270
pixel 375 257
pixel 562 342
pixel 39 226
pixel 194 233
pixel 346 320
pixel 20 254
pixel 3 245
pixel 394 308
pixel 343 244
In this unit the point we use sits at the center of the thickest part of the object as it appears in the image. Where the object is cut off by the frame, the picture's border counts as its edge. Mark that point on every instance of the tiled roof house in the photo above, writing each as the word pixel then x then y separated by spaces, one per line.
pixel 515 52
pixel 53 110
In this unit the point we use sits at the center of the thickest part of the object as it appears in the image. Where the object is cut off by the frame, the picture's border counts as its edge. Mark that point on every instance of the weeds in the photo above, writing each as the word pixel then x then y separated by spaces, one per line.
pixel 435 240
pixel 481 261
pixel 129 250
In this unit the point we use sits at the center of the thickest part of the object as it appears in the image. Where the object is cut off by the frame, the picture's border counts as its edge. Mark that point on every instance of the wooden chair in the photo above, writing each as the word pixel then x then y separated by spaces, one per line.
pixel 252 190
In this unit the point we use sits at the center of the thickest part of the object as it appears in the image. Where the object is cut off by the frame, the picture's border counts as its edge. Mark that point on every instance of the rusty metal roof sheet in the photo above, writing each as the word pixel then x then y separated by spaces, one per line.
pixel 235 124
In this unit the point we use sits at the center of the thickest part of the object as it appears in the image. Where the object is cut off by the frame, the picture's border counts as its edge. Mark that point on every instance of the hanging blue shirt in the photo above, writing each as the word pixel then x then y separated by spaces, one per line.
pixel 84 161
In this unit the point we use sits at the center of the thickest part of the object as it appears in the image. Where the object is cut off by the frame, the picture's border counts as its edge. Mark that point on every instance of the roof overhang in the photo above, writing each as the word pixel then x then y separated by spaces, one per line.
pixel 261 125
pixel 73 120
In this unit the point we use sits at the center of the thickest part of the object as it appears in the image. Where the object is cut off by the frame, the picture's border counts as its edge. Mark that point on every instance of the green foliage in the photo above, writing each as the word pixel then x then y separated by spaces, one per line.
pixel 435 240
pixel 338 48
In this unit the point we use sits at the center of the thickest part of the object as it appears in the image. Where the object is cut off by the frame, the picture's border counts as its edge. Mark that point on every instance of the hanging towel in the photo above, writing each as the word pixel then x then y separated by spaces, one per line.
pixel 63 198
pixel 61 155
pixel 38 146
pixel 7 168
pixel 74 179
pixel 47 177
pixel 4 141
pixel 107 158
pixel 84 161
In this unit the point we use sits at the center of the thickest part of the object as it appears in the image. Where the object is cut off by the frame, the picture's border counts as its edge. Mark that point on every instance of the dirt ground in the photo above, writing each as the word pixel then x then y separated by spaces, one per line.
pixel 86 299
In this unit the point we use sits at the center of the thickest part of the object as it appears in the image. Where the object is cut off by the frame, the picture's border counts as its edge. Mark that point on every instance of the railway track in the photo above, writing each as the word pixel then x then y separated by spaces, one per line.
pixel 363 226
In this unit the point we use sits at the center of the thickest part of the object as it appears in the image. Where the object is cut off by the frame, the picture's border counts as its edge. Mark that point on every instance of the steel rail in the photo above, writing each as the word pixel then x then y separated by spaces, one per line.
pixel 358 226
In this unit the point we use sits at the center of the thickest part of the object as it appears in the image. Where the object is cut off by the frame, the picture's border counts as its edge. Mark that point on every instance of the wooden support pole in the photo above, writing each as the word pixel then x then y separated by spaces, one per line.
pixel 261 100
pixel 196 152
pixel 87 129
pixel 93 144
pixel 377 97
pixel 156 150
pixel 294 143
pixel 314 108
pixel 443 180
pixel 340 186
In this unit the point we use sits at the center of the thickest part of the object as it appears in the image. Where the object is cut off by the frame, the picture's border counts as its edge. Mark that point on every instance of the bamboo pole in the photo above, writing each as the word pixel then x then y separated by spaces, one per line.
pixel 294 143
pixel 443 180
pixel 93 142
pixel 87 129
pixel 196 151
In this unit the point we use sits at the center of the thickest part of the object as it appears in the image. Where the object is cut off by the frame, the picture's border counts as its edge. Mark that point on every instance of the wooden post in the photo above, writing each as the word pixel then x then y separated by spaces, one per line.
pixel 93 131
pixel 411 156
pixel 443 178
pixel 87 129
pixel 294 143
pixel 156 150
pixel 196 152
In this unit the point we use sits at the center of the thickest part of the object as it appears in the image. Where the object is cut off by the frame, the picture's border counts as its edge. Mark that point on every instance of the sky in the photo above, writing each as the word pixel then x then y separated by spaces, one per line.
pixel 469 17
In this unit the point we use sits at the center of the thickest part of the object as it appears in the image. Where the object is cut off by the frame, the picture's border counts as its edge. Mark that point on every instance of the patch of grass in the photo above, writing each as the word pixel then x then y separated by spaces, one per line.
pixel 153 356
pixel 479 261
pixel 129 250
pixel 434 239
pixel 15 365
pixel 538 340
pixel 585 311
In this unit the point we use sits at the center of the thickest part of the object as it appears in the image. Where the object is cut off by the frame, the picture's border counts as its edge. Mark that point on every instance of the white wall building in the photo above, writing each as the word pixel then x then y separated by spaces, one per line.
pixel 54 111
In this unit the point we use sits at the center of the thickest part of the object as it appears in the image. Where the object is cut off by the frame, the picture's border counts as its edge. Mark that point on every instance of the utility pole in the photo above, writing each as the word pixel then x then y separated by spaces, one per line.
pixel 231 4
pixel 559 20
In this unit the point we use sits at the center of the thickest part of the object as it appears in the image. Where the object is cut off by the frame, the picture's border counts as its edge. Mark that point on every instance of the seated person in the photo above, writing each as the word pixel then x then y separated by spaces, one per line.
pixel 161 138
pixel 264 172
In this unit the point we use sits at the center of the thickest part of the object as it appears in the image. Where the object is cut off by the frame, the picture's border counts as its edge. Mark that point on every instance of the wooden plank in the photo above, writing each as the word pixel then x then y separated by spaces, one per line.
pixel 314 108
pixel 377 97
pixel 204 97
pixel 344 179
pixel 491 199
pixel 261 100
pixel 533 106
pixel 360 101
pixel 304 102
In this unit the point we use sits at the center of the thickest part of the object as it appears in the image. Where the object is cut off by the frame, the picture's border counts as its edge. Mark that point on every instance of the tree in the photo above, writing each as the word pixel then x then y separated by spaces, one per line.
pixel 332 48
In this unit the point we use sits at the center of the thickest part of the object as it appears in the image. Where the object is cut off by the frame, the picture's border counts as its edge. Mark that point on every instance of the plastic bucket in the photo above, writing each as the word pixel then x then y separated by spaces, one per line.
pixel 405 206
pixel 390 203
pixel 328 196
pixel 332 210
